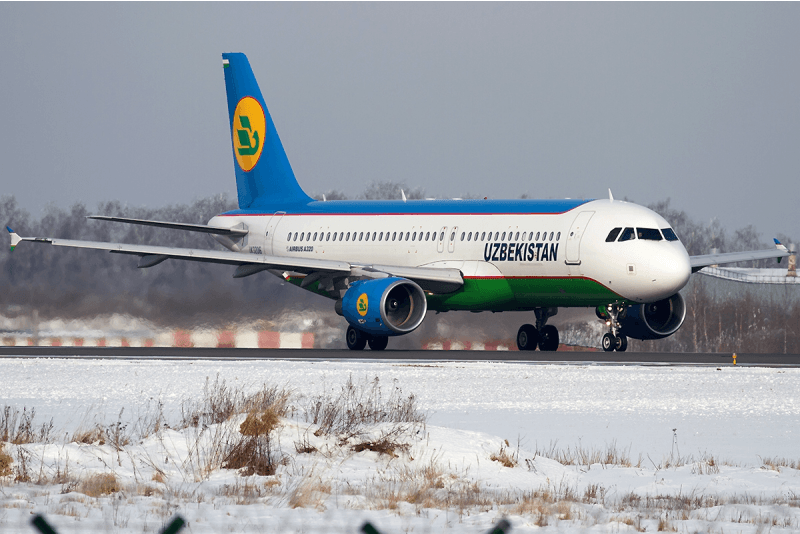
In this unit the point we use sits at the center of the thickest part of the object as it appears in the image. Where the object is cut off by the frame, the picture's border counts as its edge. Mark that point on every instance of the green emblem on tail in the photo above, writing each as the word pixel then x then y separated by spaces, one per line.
pixel 247 148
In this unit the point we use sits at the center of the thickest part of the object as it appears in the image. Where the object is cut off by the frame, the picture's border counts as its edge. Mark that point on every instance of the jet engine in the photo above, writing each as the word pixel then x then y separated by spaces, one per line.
pixel 384 307
pixel 654 320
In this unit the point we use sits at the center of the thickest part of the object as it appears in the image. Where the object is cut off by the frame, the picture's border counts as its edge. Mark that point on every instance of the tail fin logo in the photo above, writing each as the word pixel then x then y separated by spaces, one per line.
pixel 249 128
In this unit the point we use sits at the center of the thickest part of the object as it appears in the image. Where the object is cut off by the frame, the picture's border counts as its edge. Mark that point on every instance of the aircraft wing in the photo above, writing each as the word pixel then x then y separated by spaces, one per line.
pixel 432 279
pixel 175 226
pixel 698 262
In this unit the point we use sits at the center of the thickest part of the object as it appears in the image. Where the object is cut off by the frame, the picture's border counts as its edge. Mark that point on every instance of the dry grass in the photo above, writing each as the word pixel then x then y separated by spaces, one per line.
pixel 91 436
pixel 504 457
pixel 253 452
pixel 611 455
pixel 358 406
pixel 5 461
pixel 19 427
pixel 98 485
pixel 775 463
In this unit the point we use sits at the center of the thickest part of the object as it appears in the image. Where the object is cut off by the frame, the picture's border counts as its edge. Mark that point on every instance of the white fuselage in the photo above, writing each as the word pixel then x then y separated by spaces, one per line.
pixel 484 246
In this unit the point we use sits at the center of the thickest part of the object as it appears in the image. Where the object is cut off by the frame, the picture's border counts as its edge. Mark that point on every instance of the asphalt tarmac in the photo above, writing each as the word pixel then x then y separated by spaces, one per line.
pixel 607 358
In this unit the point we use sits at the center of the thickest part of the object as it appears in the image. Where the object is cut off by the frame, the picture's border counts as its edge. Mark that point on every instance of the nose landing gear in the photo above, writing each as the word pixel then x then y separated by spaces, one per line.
pixel 613 340
pixel 543 335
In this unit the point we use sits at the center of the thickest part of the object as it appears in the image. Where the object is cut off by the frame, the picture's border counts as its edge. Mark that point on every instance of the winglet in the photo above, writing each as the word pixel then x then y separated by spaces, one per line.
pixel 610 196
pixel 15 239
pixel 779 245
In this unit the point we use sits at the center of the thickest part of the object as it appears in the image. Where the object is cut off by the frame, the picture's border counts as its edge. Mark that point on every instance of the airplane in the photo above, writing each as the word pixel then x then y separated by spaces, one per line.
pixel 386 263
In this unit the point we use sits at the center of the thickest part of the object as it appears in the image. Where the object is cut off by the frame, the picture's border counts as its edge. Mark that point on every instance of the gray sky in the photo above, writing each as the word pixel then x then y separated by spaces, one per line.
pixel 697 102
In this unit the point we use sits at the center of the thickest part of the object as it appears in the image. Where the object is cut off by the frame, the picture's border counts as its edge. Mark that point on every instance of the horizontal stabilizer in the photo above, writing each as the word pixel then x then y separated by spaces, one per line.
pixel 175 226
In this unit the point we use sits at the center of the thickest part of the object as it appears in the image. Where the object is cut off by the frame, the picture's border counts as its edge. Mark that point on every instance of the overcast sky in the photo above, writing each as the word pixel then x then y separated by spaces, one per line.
pixel 696 102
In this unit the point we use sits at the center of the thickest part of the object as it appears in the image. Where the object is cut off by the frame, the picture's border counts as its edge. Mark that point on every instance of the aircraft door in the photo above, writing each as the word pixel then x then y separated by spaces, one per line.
pixel 272 227
pixel 451 244
pixel 440 238
pixel 574 237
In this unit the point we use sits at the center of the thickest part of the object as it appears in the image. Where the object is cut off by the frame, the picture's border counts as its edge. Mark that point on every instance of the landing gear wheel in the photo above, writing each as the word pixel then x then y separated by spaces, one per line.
pixel 548 338
pixel 356 340
pixel 378 343
pixel 609 342
pixel 527 337
pixel 622 343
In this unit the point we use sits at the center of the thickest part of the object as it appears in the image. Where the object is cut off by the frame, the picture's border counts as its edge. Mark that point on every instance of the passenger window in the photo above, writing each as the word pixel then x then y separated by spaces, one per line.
pixel 341 236
pixel 414 236
pixel 537 236
pixel 373 235
pixel 289 238
pixel 612 235
pixel 558 236
pixel 315 236
pixel 551 236
pixel 427 236
pixel 328 237
pixel 627 235
pixel 469 237
pixel 496 236
pixel 394 236
pixel 669 234
pixel 463 235
pixel 516 238
pixel 407 235
pixel 361 236
pixel 301 235
pixel 348 237
pixel 334 236
pixel 503 238
pixel 483 236
pixel 441 236
pixel 649 234
pixel 452 236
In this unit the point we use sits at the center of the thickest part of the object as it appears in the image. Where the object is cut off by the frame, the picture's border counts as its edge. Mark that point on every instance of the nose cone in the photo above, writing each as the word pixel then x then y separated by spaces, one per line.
pixel 672 273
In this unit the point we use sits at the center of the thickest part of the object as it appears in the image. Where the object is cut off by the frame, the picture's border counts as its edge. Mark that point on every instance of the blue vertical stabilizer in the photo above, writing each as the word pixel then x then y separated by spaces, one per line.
pixel 263 174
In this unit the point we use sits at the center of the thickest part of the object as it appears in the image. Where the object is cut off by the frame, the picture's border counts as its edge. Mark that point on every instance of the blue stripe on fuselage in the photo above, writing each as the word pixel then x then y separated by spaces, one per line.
pixel 415 207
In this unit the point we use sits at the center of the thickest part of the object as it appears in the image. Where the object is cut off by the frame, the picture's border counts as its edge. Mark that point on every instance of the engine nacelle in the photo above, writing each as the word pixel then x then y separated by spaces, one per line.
pixel 654 320
pixel 384 307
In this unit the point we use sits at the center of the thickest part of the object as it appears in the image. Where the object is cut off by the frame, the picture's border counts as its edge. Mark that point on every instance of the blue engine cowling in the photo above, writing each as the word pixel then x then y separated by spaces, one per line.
pixel 384 307
pixel 654 320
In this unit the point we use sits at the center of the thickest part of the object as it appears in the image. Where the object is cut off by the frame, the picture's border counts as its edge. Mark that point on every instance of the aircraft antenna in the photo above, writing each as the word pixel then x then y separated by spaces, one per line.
pixel 403 194
pixel 610 196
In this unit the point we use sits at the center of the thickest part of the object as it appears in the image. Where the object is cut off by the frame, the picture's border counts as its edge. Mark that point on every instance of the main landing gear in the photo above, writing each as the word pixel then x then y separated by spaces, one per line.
pixel 543 335
pixel 357 340
pixel 614 340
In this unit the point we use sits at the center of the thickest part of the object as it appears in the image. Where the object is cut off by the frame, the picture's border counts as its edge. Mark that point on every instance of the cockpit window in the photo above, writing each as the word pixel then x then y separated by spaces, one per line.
pixel 627 234
pixel 612 235
pixel 669 234
pixel 650 234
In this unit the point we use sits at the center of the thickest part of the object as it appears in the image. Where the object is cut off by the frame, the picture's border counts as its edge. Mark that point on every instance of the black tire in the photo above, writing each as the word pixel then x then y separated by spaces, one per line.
pixel 527 337
pixel 378 343
pixel 622 343
pixel 548 338
pixel 356 340
pixel 609 342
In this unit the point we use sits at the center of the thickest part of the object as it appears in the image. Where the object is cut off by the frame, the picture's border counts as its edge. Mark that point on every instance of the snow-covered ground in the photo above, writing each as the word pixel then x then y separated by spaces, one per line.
pixel 703 440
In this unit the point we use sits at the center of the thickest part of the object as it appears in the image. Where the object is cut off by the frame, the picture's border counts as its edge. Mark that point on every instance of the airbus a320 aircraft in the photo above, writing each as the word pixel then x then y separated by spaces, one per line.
pixel 386 263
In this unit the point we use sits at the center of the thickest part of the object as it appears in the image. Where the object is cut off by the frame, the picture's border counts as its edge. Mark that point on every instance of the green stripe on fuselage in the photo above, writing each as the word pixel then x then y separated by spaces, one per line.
pixel 512 294
pixel 508 294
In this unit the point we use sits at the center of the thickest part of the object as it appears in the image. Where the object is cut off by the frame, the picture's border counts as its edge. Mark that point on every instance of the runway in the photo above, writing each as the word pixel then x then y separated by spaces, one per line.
pixel 598 358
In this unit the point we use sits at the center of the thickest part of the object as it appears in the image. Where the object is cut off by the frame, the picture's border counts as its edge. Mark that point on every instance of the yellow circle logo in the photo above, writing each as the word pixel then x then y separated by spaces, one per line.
pixel 362 305
pixel 249 129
